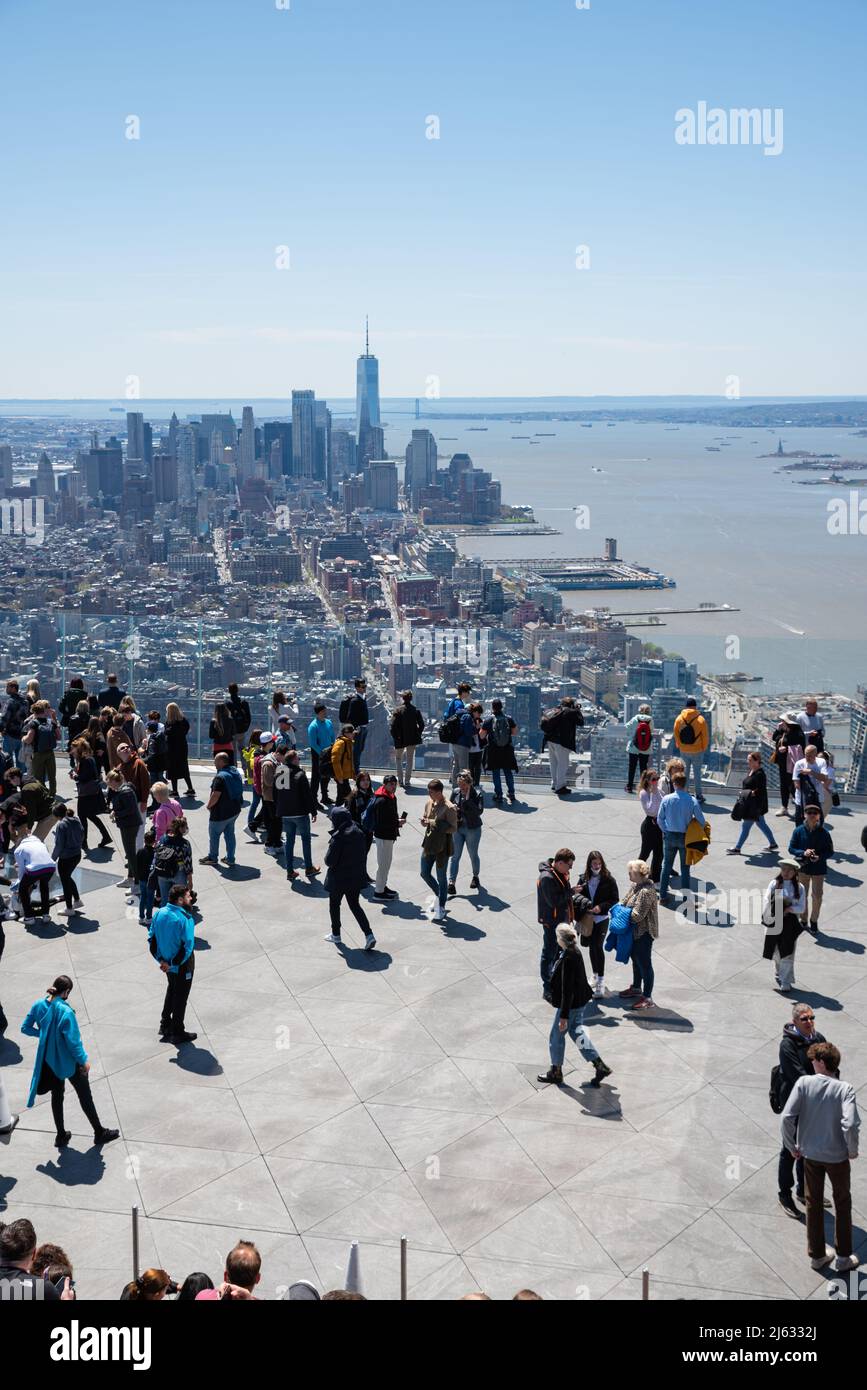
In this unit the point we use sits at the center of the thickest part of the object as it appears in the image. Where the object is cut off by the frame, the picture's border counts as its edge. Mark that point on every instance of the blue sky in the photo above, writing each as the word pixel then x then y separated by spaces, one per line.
pixel 305 127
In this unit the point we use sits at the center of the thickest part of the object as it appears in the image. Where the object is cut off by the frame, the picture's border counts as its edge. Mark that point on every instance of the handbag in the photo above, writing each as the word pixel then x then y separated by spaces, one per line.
pixel 737 811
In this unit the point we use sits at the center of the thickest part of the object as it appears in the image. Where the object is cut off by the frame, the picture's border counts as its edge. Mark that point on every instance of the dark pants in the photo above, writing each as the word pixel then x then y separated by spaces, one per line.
pixel 786 1169
pixel 358 746
pixel 786 787
pixel 642 964
pixel 273 824
pixel 128 838
pixel 814 1183
pixel 319 776
pixel 65 869
pixel 550 952
pixel 80 1083
pixel 595 946
pixel 474 763
pixel 84 817
pixel 639 760
pixel 25 888
pixel 178 988
pixel 335 898
pixel 651 846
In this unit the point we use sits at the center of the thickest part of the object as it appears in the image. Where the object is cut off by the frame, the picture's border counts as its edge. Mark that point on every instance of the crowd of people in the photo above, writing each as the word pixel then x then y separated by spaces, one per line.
pixel 126 772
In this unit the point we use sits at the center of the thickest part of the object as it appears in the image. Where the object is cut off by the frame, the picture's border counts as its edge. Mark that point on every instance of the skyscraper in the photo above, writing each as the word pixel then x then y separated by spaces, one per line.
pixel 322 459
pixel 303 433
pixel 367 388
pixel 187 448
pixel 381 476
pixel 421 464
pixel 135 451
pixel 247 468
pixel 6 476
pixel 45 486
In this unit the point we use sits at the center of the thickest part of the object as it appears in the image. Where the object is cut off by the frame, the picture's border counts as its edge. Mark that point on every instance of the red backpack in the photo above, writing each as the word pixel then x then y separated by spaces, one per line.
pixel 643 736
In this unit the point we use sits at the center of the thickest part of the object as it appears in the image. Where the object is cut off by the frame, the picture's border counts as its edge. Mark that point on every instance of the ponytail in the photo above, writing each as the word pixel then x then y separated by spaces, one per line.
pixel 62 985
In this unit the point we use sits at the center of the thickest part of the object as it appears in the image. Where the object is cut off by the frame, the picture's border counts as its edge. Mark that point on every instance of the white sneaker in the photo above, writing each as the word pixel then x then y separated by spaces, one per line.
pixel 599 990
pixel 124 883
pixel 439 914
pixel 336 940
pixel 844 1262
pixel 370 943
pixel 783 812
pixel 822 1260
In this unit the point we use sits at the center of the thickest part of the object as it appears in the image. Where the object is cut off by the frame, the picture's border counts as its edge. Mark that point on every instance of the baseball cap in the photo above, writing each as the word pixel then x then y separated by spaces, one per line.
pixel 266 738
pixel 302 1290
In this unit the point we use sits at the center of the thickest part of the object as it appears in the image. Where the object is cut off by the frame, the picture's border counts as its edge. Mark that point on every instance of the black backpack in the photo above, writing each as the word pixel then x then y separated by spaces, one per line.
pixel 167 860
pixel 501 731
pixel 345 706
pixel 242 717
pixel 46 739
pixel 687 733
pixel 550 721
pixel 156 748
pixel 450 729
pixel 775 1088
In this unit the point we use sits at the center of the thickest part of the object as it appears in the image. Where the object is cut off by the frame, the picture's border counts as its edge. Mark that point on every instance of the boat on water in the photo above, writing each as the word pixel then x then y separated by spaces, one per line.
pixel 712 448
pixel 546 434
pixel 477 429
pixel 586 427
pixel 520 436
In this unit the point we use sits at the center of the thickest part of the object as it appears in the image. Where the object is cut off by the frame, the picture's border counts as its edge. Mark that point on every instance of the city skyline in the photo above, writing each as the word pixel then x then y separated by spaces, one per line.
pixel 555 144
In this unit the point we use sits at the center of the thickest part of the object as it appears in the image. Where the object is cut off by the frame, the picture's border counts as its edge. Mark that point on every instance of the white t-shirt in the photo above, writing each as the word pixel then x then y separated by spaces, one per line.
pixel 802 766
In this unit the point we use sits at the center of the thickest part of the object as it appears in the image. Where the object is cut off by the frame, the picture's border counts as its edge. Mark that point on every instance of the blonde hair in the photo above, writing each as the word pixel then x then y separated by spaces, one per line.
pixel 41 707
pixel 566 936
pixel 638 866
pixel 674 765
pixel 173 713
pixel 33 689
pixel 158 789
pixel 114 776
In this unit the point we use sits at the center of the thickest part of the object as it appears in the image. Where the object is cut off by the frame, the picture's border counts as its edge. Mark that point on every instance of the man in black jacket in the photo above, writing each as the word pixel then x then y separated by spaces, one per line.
pixel 561 742
pixel 346 858
pixel 407 730
pixel 554 906
pixel 571 994
pixel 354 711
pixel 296 806
pixel 15 711
pixel 797 1037
pixel 112 695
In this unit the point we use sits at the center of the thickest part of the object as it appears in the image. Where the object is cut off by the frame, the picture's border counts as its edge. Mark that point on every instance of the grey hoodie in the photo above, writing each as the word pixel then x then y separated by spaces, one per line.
pixel 821 1119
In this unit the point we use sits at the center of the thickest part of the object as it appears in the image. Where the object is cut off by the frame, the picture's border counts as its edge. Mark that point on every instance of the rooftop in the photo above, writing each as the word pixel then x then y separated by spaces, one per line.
pixel 335 1095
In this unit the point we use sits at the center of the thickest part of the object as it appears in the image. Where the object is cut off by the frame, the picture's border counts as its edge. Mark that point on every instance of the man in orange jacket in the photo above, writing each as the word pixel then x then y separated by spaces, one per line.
pixel 691 737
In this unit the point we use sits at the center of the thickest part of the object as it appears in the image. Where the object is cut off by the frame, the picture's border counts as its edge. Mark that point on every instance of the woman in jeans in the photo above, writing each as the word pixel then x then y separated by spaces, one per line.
pixel 570 993
pixel 470 803
pixel 60 1057
pixel 651 836
pixel 598 886
pixel 641 898
pixel 440 821
pixel 68 840
pixel 754 803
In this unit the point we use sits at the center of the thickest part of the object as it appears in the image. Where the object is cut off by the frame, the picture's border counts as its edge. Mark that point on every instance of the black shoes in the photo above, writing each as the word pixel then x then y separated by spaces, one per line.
pixel 553 1076
pixel 789 1206
pixel 184 1037
pixel 474 881
pixel 105 1136
pixel 452 890
pixel 601 1072
pixel 62 1139
pixel 386 896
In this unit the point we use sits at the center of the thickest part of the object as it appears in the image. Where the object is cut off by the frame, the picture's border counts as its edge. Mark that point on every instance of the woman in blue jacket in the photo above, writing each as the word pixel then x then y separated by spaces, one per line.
pixel 60 1057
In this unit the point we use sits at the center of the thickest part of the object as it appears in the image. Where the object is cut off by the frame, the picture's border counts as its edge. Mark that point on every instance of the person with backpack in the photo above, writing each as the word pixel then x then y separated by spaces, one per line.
pixel 60 1057
pixel 296 808
pixel 224 808
pixel 154 750
pixel 221 732
pixel 440 821
pixel 177 749
pixel 171 941
pixel 559 725
pixel 639 744
pixel 76 727
pixel 554 908
pixel 15 711
pixel 358 801
pixel 453 729
pixel 499 752
pixel 71 698
pixel 570 995
pixel 469 803
pixel 407 730
pixel 41 735
pixel 128 815
pixel 269 763
pixel 692 740
pixel 751 806
pixel 784 902
pixel 346 859
pixel 173 859
pixel 68 840
pixel 674 816
pixel 798 1036
pixel 381 819
pixel 320 736
pixel 354 710
pixel 342 762
pixel 239 711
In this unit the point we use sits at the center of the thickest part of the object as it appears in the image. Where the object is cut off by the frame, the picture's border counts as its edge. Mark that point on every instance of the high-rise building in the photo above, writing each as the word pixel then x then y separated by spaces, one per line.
pixel 147 431
pixel 421 465
pixel 278 432
pixel 371 445
pixel 247 467
pixel 526 710
pixel 6 474
pixel 382 486
pixel 165 475
pixel 173 434
pixel 366 388
pixel 343 453
pixel 45 485
pixel 322 453
pixel 303 433
pixel 135 452
pixel 187 450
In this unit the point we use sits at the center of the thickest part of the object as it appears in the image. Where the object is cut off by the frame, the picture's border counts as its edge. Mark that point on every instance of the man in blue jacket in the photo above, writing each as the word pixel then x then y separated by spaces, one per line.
pixel 812 846
pixel 675 813
pixel 171 939
pixel 320 736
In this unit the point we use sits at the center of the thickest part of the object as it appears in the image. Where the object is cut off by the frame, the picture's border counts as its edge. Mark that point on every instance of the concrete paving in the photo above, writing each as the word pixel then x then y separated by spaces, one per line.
pixel 334 1095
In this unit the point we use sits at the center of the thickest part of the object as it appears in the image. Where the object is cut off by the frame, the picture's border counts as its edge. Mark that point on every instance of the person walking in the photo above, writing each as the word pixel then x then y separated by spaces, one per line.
pixel 597 884
pixel 296 809
pixel 320 736
pixel 788 739
pixel 15 711
pixel 639 743
pixel 559 726
pixel 224 808
pixel 177 749
pixel 342 763
pixel 171 941
pixel 129 818
pixel 91 803
pixel 386 826
pixel 68 840
pixel 820 1124
pixel 650 798
pixel 440 821
pixel 407 730
pixel 173 860
pixel 221 732
pixel 798 1036
pixel 784 902
pixel 570 995
pixel 752 804
pixel 346 859
pixel 469 802
pixel 640 900
pixel 675 813
pixel 554 908
pixel 60 1057
pixel 35 869
pixel 692 740
pixel 499 751
pixel 812 847
pixel 354 710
